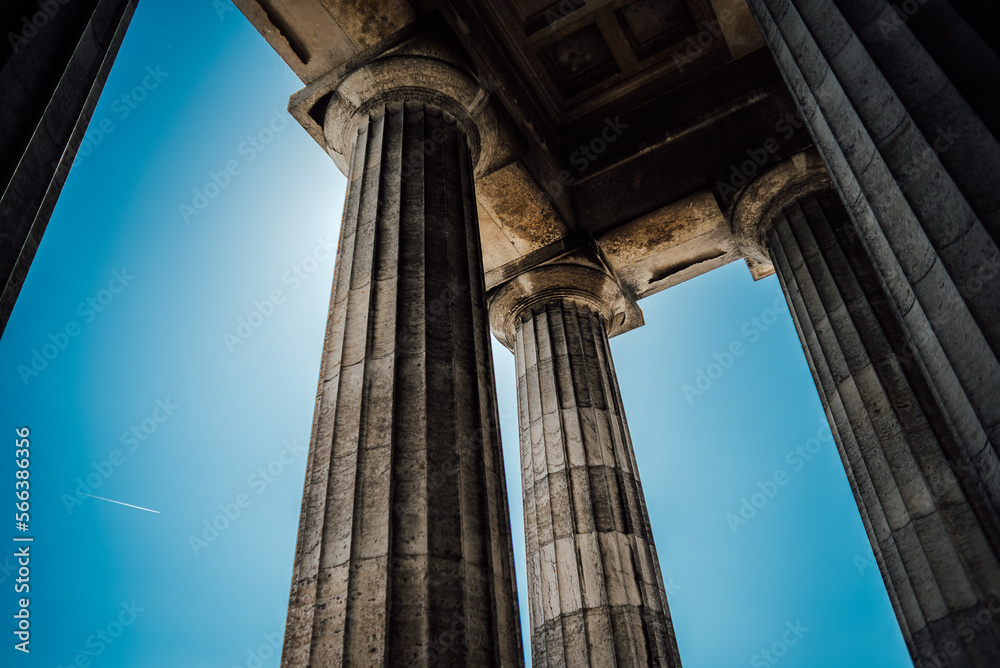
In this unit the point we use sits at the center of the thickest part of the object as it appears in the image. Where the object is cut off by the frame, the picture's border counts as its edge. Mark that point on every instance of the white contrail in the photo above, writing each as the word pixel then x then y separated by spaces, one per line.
pixel 122 504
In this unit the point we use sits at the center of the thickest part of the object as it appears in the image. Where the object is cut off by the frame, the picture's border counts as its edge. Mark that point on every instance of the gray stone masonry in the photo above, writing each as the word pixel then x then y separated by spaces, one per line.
pixel 924 503
pixel 595 591
pixel 912 157
pixel 404 555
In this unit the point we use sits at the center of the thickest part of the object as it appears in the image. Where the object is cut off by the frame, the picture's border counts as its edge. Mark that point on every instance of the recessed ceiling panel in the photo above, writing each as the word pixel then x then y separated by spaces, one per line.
pixel 550 14
pixel 652 25
pixel 579 60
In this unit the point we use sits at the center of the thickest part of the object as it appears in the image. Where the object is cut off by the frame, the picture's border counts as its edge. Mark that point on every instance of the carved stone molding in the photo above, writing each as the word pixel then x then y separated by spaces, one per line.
pixel 581 284
pixel 753 209
pixel 413 79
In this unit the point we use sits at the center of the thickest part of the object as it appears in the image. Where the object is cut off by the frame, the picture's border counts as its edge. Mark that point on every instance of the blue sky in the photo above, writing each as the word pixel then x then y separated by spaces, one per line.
pixel 147 389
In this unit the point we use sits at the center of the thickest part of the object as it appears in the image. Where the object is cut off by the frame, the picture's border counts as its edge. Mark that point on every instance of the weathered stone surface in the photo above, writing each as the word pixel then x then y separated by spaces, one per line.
pixel 926 504
pixel 523 218
pixel 316 36
pixel 670 245
pixel 404 555
pixel 596 595
pixel 581 276
pixel 925 239
pixel 752 210
pixel 625 127
pixel 736 23
pixel 621 152
pixel 915 166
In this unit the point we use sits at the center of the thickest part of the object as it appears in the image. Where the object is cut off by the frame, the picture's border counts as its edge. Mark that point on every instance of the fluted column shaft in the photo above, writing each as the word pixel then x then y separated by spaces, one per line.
pixel 917 168
pixel 595 591
pixel 910 145
pixel 404 555
pixel 923 498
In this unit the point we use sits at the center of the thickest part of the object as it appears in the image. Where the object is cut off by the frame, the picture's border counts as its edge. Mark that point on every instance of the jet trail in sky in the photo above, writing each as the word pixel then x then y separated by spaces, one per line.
pixel 122 504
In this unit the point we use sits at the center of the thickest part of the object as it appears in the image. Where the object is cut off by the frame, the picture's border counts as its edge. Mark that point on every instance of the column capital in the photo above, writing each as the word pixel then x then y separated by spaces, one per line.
pixel 753 210
pixel 585 285
pixel 420 65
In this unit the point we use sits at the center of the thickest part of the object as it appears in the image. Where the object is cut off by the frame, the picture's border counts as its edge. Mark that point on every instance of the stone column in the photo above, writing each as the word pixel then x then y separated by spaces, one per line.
pixel 404 554
pixel 909 141
pixel 925 497
pixel 919 172
pixel 596 595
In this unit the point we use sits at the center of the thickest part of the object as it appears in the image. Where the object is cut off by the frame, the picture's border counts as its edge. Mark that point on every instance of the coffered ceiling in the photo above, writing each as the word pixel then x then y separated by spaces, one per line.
pixel 660 97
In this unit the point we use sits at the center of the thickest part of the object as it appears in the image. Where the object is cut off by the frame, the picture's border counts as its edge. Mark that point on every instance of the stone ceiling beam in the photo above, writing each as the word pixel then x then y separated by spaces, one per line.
pixel 612 171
